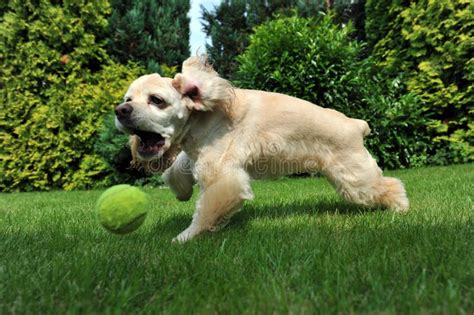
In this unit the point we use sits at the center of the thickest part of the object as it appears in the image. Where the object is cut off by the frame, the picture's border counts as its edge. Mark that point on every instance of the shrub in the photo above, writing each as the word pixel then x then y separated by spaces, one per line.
pixel 297 56
pixel 229 24
pixel 315 60
pixel 399 137
pixel 379 14
pixel 431 43
pixel 58 82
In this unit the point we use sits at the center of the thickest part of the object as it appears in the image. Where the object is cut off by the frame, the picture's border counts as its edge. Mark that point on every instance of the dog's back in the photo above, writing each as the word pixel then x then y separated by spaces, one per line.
pixel 295 135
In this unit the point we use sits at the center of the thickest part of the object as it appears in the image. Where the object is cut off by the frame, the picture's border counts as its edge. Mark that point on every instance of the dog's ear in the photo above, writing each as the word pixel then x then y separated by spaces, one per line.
pixel 203 86
pixel 189 88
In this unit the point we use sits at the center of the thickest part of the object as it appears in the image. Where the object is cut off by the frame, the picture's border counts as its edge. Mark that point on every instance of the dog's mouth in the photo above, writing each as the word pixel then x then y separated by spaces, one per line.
pixel 150 143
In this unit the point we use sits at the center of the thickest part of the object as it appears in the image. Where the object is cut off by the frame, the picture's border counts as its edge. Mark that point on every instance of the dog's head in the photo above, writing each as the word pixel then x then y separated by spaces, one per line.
pixel 156 109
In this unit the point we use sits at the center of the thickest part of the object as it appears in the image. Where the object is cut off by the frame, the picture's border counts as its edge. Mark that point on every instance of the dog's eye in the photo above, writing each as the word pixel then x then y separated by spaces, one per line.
pixel 157 101
pixel 128 99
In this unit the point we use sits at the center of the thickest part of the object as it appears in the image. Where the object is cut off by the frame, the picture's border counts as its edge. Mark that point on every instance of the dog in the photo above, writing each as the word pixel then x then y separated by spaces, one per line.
pixel 229 136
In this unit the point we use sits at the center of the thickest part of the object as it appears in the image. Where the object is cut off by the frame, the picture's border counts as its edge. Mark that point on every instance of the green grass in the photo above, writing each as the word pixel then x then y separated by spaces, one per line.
pixel 297 248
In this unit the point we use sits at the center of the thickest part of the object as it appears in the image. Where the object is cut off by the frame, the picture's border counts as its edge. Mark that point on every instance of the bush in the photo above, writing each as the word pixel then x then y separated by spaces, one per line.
pixel 431 43
pixel 58 82
pixel 300 57
pixel 229 24
pixel 315 60
pixel 399 137
pixel 379 15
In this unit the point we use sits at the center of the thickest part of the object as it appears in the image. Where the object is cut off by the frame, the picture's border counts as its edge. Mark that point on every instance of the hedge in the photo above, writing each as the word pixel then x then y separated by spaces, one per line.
pixel 58 82
pixel 316 60
pixel 431 43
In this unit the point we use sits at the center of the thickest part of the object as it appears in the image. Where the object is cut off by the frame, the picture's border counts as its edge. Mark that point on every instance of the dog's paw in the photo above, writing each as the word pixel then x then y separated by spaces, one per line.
pixel 184 236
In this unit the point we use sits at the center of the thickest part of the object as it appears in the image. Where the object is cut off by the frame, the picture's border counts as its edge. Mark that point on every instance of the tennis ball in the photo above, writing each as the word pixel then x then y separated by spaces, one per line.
pixel 122 209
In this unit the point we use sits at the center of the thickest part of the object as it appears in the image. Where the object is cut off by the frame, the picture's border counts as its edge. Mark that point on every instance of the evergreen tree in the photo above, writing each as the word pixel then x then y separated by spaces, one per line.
pixel 153 32
pixel 227 27
pixel 229 24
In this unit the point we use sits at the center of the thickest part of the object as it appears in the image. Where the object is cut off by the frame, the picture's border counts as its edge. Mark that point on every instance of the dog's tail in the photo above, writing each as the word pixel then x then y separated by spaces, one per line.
pixel 363 126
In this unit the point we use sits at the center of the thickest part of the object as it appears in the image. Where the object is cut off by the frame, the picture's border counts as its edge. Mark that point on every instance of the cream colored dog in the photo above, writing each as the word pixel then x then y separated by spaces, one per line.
pixel 229 136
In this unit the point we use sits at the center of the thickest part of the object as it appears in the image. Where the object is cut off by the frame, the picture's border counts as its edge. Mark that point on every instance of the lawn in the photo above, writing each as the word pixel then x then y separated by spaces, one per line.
pixel 297 248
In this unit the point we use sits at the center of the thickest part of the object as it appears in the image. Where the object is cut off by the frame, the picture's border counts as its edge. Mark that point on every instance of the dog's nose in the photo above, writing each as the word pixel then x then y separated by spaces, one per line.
pixel 123 110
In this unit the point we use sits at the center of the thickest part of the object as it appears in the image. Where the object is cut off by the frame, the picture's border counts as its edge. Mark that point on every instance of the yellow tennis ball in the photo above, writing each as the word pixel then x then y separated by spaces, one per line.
pixel 122 209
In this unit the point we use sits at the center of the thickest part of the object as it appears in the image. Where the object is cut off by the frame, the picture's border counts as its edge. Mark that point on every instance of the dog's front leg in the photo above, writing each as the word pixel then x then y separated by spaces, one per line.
pixel 179 177
pixel 219 200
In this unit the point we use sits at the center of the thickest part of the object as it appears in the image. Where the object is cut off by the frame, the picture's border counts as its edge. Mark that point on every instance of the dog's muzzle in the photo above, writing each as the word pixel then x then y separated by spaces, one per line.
pixel 150 143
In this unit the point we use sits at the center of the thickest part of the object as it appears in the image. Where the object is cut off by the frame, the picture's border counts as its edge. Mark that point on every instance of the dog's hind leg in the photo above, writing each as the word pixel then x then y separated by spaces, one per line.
pixel 219 200
pixel 179 177
pixel 357 177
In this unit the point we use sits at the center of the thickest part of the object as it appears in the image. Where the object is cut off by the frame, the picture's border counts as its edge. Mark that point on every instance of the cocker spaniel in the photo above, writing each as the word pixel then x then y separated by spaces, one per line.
pixel 229 136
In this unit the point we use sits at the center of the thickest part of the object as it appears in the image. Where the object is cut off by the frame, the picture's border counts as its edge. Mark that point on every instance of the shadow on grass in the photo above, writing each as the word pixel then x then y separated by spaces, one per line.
pixel 277 210
pixel 59 230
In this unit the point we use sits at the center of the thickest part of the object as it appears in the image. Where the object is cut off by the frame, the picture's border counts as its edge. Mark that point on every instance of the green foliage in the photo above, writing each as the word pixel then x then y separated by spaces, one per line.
pixel 317 61
pixel 168 71
pixel 57 84
pixel 379 15
pixel 297 56
pixel 3 8
pixel 351 11
pixel 227 28
pixel 398 129
pixel 104 93
pixel 152 32
pixel 229 24
pixel 431 42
